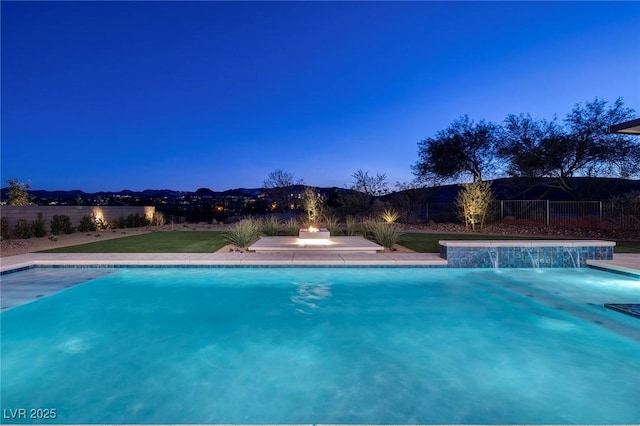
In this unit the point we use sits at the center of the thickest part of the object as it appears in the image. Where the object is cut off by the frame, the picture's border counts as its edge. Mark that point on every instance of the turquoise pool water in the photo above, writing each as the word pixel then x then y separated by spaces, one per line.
pixel 324 345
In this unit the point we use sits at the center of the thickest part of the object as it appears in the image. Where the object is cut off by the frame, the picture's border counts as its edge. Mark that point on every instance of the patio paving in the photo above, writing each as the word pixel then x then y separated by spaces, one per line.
pixel 622 262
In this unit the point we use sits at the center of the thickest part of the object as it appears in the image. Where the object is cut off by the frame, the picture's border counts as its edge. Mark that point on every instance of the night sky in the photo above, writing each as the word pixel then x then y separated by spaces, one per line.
pixel 182 95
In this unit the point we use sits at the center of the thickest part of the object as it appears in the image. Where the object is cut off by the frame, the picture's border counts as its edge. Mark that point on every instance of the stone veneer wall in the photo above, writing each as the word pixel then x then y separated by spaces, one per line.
pixel 524 257
pixel 75 213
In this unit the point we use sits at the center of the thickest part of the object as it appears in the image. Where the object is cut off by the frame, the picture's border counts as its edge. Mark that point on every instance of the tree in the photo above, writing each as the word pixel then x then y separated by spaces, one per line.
pixel 463 148
pixel 371 185
pixel 473 202
pixel 18 193
pixel 278 183
pixel 280 179
pixel 522 141
pixel 595 151
pixel 582 147
pixel 313 203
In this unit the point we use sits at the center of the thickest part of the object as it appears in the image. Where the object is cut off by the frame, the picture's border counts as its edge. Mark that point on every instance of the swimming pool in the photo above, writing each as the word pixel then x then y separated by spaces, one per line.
pixel 323 345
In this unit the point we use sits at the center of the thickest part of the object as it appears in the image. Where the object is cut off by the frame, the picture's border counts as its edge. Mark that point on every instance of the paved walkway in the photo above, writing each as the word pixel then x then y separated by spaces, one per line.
pixel 622 262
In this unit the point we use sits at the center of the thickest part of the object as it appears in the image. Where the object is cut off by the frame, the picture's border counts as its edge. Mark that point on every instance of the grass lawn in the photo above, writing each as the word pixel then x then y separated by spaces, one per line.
pixel 211 241
pixel 428 243
pixel 627 247
pixel 155 242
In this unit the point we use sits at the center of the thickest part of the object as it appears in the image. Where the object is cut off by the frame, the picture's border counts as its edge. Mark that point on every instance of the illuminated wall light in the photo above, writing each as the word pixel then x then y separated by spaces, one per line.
pixel 149 212
pixel 98 214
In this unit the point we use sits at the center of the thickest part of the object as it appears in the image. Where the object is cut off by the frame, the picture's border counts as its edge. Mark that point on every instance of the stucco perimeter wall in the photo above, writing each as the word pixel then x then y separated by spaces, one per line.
pixel 75 213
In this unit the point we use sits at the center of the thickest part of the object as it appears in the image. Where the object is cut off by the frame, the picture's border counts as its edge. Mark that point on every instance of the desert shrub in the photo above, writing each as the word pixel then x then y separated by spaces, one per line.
pixel 136 221
pixel 157 219
pixel 24 229
pixel 243 233
pixel 291 226
pixel 133 220
pixel 122 222
pixel 39 227
pixel 100 223
pixel 332 225
pixel 385 234
pixel 61 224
pixel 86 224
pixel 271 225
pixel 4 227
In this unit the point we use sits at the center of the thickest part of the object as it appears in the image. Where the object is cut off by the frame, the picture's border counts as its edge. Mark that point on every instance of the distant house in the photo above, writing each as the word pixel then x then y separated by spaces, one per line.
pixel 631 127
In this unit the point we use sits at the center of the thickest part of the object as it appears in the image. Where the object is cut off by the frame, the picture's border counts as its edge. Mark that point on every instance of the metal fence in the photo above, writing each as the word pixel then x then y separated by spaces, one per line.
pixel 587 214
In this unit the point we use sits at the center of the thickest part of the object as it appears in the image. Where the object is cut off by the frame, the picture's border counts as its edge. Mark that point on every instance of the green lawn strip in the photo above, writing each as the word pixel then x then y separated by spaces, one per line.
pixel 428 243
pixel 627 247
pixel 155 242
pixel 211 241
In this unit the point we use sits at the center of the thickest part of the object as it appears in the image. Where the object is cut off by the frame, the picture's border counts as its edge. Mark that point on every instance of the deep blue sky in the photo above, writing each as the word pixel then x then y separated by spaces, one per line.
pixel 137 95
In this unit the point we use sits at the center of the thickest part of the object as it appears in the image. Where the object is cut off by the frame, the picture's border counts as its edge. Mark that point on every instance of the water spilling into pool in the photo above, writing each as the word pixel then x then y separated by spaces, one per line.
pixel 326 345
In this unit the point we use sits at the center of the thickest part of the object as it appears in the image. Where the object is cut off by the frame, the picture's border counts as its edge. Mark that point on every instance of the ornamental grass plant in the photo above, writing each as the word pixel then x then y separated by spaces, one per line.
pixel 243 233
pixel 385 234
pixel 332 224
pixel 291 227
pixel 351 225
pixel 271 225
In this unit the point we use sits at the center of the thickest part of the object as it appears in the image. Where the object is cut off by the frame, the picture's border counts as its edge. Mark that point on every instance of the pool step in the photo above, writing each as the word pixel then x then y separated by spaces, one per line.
pixel 632 309
pixel 587 313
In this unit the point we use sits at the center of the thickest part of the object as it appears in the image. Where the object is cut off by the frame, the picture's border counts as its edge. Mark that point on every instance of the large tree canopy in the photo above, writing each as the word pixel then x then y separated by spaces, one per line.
pixel 595 151
pixel 463 148
pixel 522 146
pixel 526 145
pixel 582 147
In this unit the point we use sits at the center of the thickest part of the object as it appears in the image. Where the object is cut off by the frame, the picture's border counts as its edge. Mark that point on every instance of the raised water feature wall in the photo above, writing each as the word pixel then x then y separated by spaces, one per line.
pixel 524 254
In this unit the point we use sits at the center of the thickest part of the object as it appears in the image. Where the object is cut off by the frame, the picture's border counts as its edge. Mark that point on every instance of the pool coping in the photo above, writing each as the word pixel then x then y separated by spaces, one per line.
pixel 527 243
pixel 11 263
pixel 626 263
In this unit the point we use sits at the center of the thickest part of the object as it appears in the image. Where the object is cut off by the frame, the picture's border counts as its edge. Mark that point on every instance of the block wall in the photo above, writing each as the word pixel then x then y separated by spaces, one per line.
pixel 75 213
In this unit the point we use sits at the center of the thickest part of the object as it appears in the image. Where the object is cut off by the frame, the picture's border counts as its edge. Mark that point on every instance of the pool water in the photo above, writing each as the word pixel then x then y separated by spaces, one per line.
pixel 325 345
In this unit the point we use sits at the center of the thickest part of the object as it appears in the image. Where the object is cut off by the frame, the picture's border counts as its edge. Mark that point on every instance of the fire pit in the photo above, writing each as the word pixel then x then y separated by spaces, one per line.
pixel 312 233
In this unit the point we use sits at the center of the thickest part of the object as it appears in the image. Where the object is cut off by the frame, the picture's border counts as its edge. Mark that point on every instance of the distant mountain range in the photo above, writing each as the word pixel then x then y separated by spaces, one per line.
pixel 584 189
pixel 147 193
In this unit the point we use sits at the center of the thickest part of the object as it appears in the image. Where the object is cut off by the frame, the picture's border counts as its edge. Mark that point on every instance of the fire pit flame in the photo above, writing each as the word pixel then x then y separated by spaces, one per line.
pixel 312 229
